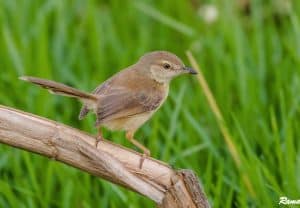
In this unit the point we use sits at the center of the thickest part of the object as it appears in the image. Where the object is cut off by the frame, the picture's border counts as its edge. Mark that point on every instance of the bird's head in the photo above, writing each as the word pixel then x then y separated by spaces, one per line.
pixel 163 66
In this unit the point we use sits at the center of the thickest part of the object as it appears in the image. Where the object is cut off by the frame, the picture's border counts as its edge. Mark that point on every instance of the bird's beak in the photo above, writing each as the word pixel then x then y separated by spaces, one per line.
pixel 190 70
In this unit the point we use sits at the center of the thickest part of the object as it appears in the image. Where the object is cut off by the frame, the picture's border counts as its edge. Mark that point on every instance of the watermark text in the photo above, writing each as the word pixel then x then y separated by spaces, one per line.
pixel 285 200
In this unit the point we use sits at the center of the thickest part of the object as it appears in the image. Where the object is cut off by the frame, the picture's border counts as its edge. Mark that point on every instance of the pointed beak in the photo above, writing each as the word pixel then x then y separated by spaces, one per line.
pixel 190 70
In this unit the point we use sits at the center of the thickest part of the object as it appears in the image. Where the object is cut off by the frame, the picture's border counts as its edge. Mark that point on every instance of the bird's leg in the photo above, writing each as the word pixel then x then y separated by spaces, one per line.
pixel 146 152
pixel 99 137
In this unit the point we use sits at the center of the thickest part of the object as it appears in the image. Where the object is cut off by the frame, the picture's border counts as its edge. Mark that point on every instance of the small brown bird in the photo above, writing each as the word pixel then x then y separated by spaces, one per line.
pixel 129 98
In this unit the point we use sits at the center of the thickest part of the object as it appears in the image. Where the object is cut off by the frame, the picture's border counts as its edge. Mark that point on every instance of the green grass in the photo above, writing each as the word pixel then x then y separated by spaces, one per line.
pixel 250 61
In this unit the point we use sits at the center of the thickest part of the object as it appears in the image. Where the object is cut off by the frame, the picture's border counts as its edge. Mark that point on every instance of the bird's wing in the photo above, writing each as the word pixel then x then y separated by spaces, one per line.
pixel 99 90
pixel 123 102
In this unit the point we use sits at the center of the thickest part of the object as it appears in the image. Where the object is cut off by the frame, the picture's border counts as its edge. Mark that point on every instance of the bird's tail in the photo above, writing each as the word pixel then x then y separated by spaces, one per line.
pixel 61 89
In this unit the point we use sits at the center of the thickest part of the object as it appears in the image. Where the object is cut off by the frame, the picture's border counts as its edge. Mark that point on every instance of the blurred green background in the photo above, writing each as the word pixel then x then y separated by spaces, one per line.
pixel 249 52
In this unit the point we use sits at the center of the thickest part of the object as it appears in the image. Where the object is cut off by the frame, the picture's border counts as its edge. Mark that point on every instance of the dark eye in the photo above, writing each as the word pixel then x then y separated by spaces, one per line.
pixel 167 66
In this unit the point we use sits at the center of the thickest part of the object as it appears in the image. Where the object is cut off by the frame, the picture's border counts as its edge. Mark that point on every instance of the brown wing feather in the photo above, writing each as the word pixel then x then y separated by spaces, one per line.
pixel 85 110
pixel 105 88
pixel 126 103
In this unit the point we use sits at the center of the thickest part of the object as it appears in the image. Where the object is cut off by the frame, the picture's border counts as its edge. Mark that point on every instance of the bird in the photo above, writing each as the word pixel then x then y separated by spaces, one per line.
pixel 129 98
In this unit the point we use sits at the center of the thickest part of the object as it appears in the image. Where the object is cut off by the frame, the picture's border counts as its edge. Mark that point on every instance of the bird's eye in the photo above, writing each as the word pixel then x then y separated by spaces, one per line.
pixel 167 66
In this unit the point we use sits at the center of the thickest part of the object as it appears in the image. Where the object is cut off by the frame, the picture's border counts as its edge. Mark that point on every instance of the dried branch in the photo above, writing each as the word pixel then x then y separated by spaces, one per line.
pixel 156 180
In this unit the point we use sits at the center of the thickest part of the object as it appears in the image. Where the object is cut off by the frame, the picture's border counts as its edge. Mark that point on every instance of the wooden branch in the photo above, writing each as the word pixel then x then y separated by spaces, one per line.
pixel 156 180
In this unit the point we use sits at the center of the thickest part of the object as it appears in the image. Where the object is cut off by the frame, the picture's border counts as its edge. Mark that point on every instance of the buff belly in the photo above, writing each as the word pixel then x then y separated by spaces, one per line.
pixel 130 123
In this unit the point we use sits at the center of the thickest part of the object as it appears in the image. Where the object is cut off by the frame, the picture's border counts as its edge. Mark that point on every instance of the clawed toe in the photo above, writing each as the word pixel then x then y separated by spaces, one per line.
pixel 144 156
pixel 99 138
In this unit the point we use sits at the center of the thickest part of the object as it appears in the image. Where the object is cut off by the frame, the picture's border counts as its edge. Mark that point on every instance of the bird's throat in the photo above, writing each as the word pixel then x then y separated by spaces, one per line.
pixel 158 77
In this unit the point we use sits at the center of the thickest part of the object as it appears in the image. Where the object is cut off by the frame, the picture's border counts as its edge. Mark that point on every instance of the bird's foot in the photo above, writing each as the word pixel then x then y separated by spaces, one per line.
pixel 144 156
pixel 99 138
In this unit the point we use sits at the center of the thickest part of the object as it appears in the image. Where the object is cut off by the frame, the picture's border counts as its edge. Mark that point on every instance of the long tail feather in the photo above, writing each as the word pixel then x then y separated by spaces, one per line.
pixel 61 89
